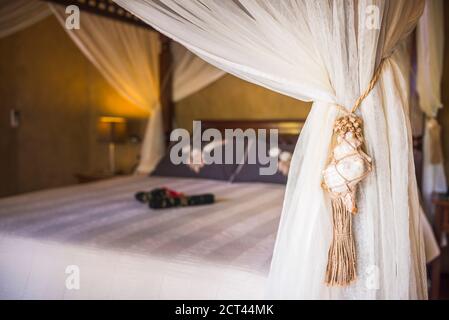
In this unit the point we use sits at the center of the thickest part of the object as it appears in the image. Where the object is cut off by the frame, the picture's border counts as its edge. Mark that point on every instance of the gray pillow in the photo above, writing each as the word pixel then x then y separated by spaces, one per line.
pixel 251 172
pixel 222 172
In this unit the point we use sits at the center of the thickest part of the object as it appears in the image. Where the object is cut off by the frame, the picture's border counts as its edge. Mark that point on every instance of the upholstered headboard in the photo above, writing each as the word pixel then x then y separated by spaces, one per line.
pixel 288 129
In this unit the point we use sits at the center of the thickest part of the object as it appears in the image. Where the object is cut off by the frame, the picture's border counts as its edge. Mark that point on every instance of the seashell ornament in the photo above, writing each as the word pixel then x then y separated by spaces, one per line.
pixel 348 164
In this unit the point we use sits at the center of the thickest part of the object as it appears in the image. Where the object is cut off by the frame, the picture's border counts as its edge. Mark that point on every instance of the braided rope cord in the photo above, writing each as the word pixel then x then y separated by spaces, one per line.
pixel 371 86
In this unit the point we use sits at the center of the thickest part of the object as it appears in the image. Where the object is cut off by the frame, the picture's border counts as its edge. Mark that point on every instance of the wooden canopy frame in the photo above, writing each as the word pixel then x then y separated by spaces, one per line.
pixel 109 9
pixel 105 8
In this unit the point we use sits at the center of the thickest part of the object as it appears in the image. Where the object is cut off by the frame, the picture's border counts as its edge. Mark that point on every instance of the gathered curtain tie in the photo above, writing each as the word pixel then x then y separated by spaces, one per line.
pixel 434 136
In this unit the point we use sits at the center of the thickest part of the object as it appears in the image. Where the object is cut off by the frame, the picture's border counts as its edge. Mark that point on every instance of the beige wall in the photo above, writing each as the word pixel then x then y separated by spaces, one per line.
pixel 232 98
pixel 60 95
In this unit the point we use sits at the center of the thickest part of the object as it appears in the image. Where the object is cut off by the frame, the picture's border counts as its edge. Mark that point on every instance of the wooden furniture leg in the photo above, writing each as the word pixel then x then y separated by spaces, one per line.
pixel 435 278
pixel 436 264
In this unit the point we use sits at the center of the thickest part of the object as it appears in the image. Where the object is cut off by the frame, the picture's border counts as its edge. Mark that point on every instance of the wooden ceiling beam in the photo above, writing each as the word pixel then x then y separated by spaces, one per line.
pixel 105 8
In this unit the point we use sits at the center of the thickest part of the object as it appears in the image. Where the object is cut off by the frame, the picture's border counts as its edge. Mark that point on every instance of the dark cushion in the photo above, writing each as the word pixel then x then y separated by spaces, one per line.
pixel 251 172
pixel 213 171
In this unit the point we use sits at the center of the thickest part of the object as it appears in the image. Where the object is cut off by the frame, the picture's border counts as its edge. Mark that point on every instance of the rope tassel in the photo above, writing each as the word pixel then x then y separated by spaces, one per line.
pixel 341 264
pixel 347 165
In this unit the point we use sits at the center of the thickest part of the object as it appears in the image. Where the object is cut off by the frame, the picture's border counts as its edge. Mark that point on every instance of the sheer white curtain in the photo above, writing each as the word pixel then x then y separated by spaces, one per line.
pixel 430 48
pixel 16 15
pixel 325 51
pixel 403 56
pixel 191 73
pixel 128 57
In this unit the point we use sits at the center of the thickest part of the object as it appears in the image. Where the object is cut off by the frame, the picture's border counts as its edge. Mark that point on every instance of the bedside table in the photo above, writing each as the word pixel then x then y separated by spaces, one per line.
pixel 87 178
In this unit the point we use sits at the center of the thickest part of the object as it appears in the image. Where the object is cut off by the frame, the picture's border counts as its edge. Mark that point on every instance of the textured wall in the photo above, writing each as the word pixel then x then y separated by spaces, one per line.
pixel 60 95
pixel 8 136
pixel 232 98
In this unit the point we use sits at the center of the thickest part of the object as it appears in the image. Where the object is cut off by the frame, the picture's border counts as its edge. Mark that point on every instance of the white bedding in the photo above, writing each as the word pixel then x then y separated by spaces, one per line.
pixel 125 250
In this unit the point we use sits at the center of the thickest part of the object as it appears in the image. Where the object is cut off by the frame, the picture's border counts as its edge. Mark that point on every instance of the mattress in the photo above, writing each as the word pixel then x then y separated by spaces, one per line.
pixel 116 248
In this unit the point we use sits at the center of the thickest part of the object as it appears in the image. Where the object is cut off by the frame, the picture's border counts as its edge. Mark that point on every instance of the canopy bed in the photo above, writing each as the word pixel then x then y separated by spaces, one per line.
pixel 346 57
pixel 310 50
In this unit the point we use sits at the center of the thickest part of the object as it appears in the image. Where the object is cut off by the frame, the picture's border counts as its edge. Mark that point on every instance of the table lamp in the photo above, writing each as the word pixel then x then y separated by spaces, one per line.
pixel 112 130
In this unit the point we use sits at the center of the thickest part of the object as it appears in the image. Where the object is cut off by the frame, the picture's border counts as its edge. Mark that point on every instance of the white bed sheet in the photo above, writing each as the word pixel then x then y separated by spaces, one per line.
pixel 126 251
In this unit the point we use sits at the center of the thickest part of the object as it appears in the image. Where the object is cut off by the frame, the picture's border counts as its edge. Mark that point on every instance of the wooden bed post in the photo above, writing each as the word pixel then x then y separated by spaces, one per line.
pixel 166 85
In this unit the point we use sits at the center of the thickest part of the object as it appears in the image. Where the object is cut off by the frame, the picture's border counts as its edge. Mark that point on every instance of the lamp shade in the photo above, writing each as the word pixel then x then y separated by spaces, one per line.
pixel 112 129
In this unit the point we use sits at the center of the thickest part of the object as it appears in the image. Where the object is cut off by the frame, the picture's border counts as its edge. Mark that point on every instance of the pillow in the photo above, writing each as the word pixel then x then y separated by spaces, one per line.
pixel 214 171
pixel 251 172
